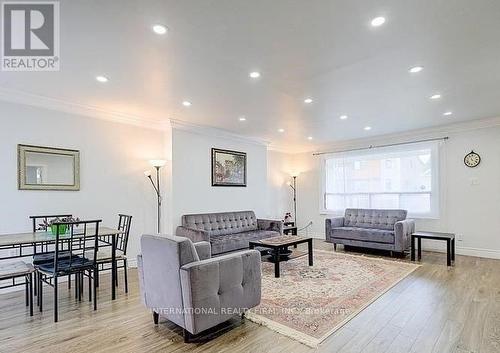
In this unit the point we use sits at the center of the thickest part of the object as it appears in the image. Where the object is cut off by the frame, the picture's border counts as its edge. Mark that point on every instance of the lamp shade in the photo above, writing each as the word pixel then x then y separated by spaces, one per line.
pixel 157 163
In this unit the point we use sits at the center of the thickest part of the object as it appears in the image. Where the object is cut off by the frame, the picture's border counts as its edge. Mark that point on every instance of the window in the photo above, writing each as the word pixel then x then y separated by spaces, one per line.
pixel 403 176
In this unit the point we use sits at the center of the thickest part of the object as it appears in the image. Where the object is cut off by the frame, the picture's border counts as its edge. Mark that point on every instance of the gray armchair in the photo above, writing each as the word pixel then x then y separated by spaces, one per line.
pixel 180 281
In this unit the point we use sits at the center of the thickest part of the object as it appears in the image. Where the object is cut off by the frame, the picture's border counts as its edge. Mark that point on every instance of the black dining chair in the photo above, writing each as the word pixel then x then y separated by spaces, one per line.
pixel 82 243
pixel 43 254
pixel 13 271
pixel 104 256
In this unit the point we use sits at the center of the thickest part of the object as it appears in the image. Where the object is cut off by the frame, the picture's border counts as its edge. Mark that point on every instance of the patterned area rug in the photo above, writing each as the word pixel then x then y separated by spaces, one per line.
pixel 309 304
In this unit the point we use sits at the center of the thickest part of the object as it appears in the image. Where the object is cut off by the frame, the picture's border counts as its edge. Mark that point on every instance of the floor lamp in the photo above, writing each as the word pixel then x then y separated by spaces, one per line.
pixel 157 164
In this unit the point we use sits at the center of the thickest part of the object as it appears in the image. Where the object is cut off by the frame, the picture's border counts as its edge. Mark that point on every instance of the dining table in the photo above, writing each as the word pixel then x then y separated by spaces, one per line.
pixel 19 245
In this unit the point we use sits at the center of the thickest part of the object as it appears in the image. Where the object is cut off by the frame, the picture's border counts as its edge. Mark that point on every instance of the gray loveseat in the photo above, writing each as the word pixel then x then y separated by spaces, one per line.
pixel 181 282
pixel 228 231
pixel 371 228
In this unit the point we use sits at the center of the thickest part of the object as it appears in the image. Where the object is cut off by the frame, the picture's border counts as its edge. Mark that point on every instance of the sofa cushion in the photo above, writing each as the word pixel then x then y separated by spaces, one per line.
pixel 363 234
pixel 237 241
pixel 222 223
pixel 372 218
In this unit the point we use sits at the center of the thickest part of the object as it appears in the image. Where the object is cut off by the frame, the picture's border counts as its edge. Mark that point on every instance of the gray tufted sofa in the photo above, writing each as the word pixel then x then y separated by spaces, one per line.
pixel 181 282
pixel 228 231
pixel 371 228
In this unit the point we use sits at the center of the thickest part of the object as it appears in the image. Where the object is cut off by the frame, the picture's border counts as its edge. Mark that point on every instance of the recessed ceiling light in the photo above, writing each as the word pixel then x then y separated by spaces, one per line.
pixel 242 118
pixel 102 79
pixel 343 117
pixel 435 96
pixel 448 113
pixel 160 29
pixel 281 130
pixel 415 69
pixel 187 103
pixel 368 128
pixel 378 21
pixel 254 74
pixel 309 138
pixel 308 100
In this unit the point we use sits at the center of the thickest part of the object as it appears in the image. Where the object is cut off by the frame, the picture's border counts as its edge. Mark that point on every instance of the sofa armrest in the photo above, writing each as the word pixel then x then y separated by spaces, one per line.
pixel 204 249
pixel 402 234
pixel 270 224
pixel 216 289
pixel 142 287
pixel 196 235
pixel 331 223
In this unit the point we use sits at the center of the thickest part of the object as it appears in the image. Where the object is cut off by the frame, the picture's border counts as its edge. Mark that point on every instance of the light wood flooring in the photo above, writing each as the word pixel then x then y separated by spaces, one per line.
pixel 435 309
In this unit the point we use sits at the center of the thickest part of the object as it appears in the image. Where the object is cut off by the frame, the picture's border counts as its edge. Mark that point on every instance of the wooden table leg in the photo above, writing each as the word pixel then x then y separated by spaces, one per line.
pixel 277 262
pixel 310 251
pixel 412 248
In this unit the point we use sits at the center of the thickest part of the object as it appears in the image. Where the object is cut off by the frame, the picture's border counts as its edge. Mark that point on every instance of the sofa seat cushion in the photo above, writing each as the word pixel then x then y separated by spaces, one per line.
pixel 238 241
pixel 364 234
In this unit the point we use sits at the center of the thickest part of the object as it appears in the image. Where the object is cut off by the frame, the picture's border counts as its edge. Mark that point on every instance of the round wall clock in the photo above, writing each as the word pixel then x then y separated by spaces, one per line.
pixel 472 159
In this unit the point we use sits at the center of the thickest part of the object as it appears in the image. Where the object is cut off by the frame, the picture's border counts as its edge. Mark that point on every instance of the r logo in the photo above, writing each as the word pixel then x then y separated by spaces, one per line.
pixel 30 29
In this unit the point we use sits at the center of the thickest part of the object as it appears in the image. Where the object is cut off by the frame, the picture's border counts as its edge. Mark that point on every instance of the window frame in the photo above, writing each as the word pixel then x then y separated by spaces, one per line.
pixel 435 194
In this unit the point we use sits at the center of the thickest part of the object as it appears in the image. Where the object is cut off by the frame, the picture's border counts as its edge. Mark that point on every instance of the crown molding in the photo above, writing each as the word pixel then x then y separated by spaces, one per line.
pixel 432 132
pixel 216 132
pixel 35 100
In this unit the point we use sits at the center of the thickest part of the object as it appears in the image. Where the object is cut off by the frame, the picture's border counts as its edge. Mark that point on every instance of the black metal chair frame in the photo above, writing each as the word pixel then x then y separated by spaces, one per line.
pixel 44 248
pixel 124 222
pixel 79 243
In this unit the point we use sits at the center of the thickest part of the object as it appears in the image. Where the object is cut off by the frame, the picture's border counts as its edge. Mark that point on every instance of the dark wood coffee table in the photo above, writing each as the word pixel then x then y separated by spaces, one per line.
pixel 448 237
pixel 279 245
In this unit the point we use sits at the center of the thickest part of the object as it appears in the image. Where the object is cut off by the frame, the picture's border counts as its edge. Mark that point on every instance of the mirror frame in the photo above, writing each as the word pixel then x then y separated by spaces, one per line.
pixel 21 168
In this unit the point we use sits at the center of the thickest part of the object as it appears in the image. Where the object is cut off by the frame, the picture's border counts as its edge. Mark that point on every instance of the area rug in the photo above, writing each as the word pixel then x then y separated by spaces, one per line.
pixel 309 304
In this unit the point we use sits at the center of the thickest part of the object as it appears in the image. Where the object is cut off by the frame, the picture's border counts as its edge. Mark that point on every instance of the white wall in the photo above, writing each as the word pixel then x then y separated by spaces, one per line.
pixel 113 159
pixel 470 211
pixel 191 176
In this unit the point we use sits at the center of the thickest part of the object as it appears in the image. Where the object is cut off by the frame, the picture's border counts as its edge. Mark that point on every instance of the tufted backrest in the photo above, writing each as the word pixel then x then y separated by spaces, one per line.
pixel 372 218
pixel 221 223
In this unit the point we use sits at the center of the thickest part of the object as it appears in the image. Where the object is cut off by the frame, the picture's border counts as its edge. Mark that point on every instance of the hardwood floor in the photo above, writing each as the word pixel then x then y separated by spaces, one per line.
pixel 435 309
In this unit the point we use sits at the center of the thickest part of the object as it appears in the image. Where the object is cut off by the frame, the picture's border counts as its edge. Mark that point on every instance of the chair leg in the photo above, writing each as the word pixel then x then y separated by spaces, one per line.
pixel 156 317
pixel 187 336
pixel 31 293
pixel 90 286
pixel 334 247
pixel 36 284
pixel 96 275
pixel 95 287
pixel 125 270
pixel 69 281
pixel 80 286
pixel 55 299
pixel 40 291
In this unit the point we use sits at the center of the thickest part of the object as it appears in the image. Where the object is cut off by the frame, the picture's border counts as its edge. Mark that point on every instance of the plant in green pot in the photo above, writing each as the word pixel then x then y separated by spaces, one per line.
pixel 53 224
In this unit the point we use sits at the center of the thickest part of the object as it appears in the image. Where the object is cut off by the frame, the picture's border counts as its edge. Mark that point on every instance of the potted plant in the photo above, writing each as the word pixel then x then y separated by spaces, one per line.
pixel 53 224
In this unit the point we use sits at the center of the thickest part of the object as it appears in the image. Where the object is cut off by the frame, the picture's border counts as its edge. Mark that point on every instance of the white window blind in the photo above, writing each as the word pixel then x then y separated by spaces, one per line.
pixel 404 176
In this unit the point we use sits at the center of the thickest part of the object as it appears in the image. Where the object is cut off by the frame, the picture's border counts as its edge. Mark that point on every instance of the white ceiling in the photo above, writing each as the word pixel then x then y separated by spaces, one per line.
pixel 324 49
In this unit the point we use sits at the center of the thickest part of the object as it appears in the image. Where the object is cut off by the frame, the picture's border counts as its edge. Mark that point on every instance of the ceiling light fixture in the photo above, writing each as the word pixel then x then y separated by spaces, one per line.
pixel 448 113
pixel 187 103
pixel 102 79
pixel 378 21
pixel 435 96
pixel 343 117
pixel 254 74
pixel 416 69
pixel 309 138
pixel 281 130
pixel 242 118
pixel 368 128
pixel 308 100
pixel 160 29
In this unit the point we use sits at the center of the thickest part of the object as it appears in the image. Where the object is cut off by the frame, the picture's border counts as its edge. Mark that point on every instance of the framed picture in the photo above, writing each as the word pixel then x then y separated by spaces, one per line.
pixel 229 168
